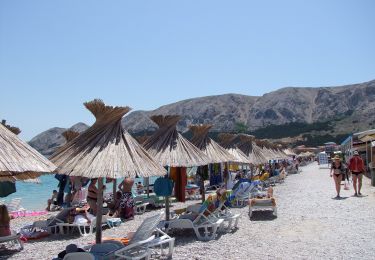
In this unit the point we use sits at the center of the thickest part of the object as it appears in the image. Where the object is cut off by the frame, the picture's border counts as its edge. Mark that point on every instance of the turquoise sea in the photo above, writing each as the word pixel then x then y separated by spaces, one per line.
pixel 34 196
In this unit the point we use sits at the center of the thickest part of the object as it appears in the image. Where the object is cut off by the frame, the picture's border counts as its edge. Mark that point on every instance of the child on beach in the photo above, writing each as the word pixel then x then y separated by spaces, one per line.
pixel 52 201
pixel 4 221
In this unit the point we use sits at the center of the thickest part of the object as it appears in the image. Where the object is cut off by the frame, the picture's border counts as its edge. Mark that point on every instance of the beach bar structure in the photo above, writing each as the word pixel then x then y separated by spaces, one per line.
pixel 18 160
pixel 170 149
pixel 105 150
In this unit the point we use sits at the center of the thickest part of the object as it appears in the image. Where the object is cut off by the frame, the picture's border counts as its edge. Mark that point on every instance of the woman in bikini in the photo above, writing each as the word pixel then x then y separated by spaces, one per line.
pixel 92 196
pixel 337 171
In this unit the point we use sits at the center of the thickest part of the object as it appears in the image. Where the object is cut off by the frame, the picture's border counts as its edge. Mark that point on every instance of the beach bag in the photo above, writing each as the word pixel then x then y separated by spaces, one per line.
pixel 163 187
pixel 346 186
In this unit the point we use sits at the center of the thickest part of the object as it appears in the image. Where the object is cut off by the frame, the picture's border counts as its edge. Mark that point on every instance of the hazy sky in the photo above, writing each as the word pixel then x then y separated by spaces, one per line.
pixel 54 55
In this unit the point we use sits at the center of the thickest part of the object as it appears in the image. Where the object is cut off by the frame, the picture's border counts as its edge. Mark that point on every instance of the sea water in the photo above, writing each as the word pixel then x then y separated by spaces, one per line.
pixel 35 195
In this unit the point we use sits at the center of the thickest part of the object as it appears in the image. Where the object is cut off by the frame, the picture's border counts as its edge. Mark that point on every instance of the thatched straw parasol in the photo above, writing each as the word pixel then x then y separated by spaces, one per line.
pixel 105 150
pixel 213 150
pixel 228 141
pixel 18 160
pixel 246 146
pixel 170 148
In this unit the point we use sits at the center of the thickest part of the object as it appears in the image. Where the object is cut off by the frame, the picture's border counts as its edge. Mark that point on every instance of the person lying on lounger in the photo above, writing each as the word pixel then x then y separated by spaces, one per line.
pixel 80 216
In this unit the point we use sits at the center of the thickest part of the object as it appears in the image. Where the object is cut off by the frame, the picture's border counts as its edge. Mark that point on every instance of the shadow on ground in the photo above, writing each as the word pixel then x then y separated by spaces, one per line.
pixel 263 216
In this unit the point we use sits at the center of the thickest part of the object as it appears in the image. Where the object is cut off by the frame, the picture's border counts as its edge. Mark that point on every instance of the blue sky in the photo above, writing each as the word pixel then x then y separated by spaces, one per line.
pixel 54 55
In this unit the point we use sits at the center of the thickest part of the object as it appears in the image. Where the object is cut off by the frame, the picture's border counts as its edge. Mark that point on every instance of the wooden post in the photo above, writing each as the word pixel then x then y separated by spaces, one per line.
pixel 99 213
pixel 167 212
pixel 114 188
pixel 147 179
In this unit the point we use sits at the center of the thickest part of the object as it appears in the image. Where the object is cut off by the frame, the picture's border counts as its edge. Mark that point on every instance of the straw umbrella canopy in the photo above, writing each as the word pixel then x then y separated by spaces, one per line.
pixel 105 150
pixel 170 148
pixel 246 145
pixel 259 152
pixel 212 149
pixel 228 142
pixel 18 160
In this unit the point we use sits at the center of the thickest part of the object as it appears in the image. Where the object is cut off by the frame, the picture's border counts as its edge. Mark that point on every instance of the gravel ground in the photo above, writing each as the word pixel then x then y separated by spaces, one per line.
pixel 310 225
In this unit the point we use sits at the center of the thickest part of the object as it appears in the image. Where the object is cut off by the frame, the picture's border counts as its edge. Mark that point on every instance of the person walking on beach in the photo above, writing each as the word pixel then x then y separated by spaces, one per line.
pixel 337 171
pixel 357 168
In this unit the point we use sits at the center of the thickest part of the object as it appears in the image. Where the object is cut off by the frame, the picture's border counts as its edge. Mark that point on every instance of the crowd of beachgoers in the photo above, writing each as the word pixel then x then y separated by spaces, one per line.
pixel 311 223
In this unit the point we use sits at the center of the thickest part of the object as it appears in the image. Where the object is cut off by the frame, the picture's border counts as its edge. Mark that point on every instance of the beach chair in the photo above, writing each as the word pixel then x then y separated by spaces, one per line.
pixel 12 240
pixel 148 237
pixel 140 205
pixel 221 211
pixel 240 196
pixel 262 204
pixel 14 207
pixel 79 256
pixel 199 219
pixel 50 224
pixel 84 229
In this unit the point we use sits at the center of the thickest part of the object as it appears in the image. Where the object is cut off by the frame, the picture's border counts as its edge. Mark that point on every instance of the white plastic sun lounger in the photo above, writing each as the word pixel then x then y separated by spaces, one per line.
pixel 205 227
pixel 13 240
pixel 147 238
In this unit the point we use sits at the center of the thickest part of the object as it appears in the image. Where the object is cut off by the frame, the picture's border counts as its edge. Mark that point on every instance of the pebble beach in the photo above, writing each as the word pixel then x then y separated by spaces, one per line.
pixel 311 224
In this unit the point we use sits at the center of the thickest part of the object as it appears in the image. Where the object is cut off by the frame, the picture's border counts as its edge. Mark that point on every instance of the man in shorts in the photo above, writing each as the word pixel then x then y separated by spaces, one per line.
pixel 357 167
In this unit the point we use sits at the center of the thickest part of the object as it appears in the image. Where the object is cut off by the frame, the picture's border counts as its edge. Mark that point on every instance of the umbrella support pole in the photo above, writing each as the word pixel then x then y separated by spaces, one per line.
pixel 99 212
pixel 167 211
pixel 114 190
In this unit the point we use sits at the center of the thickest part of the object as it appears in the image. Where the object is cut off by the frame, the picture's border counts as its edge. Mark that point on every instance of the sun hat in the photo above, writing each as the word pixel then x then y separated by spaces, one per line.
pixel 356 153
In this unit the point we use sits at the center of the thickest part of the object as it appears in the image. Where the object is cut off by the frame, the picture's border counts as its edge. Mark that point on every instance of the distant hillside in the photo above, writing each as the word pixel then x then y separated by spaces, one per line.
pixel 232 112
pixel 48 141
pixel 311 114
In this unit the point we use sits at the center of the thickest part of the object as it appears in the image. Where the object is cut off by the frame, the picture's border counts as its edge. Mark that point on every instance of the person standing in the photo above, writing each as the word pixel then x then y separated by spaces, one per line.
pixel 337 171
pixel 127 203
pixel 357 168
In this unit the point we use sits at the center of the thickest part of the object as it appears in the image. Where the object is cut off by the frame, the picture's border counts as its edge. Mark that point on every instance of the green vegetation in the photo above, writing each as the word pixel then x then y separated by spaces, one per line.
pixel 240 127
pixel 291 129
pixel 316 140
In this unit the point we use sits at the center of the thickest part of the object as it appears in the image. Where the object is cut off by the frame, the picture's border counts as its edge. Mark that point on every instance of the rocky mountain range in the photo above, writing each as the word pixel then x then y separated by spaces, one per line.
pixel 351 107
